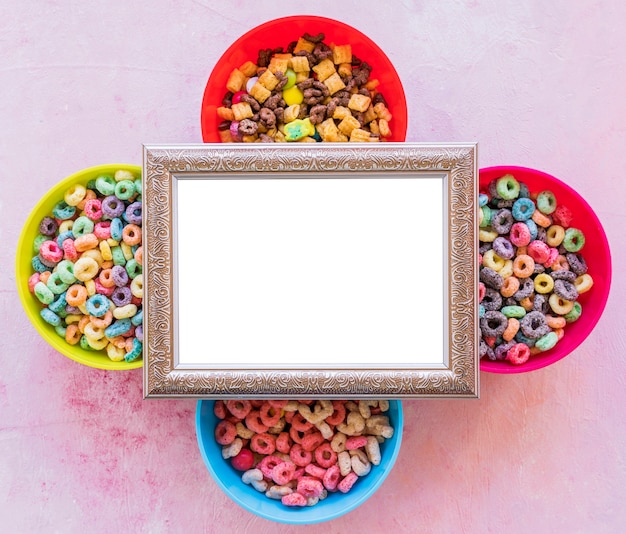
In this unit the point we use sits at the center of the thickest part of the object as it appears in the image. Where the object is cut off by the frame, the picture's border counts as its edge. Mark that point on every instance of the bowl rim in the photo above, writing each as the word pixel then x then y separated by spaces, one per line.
pixel 53 340
pixel 499 368
pixel 209 134
pixel 307 515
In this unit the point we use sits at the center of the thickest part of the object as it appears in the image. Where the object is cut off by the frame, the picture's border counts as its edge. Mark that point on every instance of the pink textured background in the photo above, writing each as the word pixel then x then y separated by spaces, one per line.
pixel 536 83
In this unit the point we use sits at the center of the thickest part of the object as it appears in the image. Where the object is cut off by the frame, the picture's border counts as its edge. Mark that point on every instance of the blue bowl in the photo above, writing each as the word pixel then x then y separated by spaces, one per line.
pixel 335 505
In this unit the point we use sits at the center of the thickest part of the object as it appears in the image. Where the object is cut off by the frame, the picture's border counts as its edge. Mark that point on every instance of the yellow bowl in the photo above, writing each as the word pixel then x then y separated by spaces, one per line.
pixel 23 269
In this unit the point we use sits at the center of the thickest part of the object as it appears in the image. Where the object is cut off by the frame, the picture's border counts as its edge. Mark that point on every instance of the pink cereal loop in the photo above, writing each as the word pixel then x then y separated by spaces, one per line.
pixel 102 229
pixel 283 472
pixel 309 487
pixel 253 422
pixel 520 234
pixel 263 443
pixel 331 478
pixel 239 407
pixel 300 423
pixel 356 442
pixel 267 465
pixel 311 441
pixel 339 413
pixel 325 456
pixel 32 282
pixel 69 250
pixel 348 481
pixel 219 409
pixel 93 209
pixel 294 499
pixel 315 471
pixel 538 251
pixel 225 433
pixel 299 456
pixel 283 442
pixel 270 416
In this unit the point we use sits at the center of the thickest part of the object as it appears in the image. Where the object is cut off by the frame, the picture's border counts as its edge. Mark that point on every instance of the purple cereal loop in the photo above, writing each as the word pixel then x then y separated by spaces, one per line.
pixel 502 221
pixel 566 290
pixel 540 303
pixel 139 332
pixel 121 296
pixel 48 226
pixel 576 263
pixel 72 309
pixel 563 274
pixel 533 325
pixel 492 299
pixel 133 213
pixel 119 275
pixel 503 248
pixel 526 289
pixel 501 350
pixel 112 207
pixel 493 323
pixel 491 278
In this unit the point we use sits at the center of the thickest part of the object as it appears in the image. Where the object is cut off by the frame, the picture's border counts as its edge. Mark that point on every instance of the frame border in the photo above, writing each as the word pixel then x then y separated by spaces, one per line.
pixel 161 378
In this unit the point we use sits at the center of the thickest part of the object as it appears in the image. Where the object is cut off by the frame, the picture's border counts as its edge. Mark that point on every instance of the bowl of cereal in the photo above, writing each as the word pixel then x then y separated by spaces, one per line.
pixel 299 462
pixel 303 78
pixel 79 267
pixel 545 269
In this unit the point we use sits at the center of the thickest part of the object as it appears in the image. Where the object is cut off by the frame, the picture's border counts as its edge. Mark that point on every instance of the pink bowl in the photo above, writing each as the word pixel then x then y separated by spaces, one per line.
pixel 280 32
pixel 596 253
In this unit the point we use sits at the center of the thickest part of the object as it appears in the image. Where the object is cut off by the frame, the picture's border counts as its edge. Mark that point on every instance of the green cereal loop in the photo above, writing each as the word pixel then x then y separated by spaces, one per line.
pixel 137 183
pixel 547 342
pixel 133 268
pixel 124 189
pixel 513 311
pixel 82 225
pixel 118 256
pixel 546 202
pixel 574 240
pixel 84 343
pixel 60 330
pixel 487 214
pixel 105 184
pixel 43 293
pixel 91 184
pixel 575 313
pixel 65 268
pixel 507 187
pixel 38 241
pixel 56 285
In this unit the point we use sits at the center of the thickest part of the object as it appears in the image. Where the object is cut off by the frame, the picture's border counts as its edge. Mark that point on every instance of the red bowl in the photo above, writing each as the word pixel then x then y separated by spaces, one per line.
pixel 595 251
pixel 280 32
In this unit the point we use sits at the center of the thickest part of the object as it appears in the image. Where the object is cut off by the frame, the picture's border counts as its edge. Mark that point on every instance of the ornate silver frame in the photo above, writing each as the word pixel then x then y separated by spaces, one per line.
pixel 163 165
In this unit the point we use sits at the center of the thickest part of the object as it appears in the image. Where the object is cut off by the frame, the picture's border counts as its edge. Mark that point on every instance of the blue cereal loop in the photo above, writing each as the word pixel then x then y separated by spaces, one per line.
pixel 63 236
pixel 482 200
pixel 118 328
pixel 37 265
pixel 137 319
pixel 135 351
pixel 97 305
pixel 481 311
pixel 62 210
pixel 60 330
pixel 50 317
pixel 59 303
pixel 523 209
pixel 532 228
pixel 117 227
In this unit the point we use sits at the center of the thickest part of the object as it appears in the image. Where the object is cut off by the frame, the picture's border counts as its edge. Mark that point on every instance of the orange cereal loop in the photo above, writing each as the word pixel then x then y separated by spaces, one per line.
pixel 555 322
pixel 509 286
pixel 85 242
pixel 560 264
pixel 128 345
pixel 534 351
pixel 107 264
pixel 106 278
pixel 84 321
pixel 139 254
pixel 541 219
pixel 119 342
pixel 102 322
pixel 90 195
pixel 527 303
pixel 521 251
pixel 523 266
pixel 72 334
pixel 76 295
pixel 511 329
pixel 43 277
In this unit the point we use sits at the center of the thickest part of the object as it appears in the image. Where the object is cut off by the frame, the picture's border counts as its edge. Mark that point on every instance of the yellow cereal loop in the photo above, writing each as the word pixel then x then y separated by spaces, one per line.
pixel 507 269
pixel 90 286
pixel 114 353
pixel 492 260
pixel 544 283
pixel 127 251
pixel 555 235
pixel 97 344
pixel 66 226
pixel 136 286
pixel 105 251
pixel 75 194
pixel 583 283
pixel 85 268
pixel 122 174
pixel 95 254
pixel 125 312
pixel 559 305
pixel 93 332
pixel 487 235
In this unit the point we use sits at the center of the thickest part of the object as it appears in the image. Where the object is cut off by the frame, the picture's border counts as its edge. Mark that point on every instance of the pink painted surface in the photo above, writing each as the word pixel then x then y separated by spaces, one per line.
pixel 537 84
